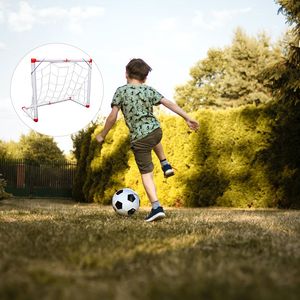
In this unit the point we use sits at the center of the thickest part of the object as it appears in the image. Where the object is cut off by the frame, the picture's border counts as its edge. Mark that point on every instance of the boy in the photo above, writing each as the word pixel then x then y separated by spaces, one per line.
pixel 136 100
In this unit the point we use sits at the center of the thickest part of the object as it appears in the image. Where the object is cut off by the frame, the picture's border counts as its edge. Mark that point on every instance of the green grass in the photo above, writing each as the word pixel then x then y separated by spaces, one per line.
pixel 64 250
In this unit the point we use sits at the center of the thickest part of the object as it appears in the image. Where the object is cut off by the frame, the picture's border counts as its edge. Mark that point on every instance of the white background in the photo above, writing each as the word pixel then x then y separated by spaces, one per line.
pixel 60 119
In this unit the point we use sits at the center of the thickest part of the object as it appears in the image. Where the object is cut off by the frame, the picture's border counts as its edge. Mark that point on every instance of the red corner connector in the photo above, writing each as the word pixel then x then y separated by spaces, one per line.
pixel 35 119
pixel 90 60
pixel 87 105
pixel 33 60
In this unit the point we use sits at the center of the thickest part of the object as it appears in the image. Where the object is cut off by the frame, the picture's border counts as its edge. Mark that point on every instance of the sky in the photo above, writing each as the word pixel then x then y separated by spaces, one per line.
pixel 170 35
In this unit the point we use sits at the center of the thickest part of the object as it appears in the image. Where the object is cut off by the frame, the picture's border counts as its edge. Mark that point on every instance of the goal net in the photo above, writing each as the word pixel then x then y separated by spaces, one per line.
pixel 55 81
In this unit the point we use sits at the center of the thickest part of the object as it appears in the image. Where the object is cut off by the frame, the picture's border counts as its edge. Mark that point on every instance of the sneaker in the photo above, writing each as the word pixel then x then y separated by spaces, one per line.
pixel 155 214
pixel 168 171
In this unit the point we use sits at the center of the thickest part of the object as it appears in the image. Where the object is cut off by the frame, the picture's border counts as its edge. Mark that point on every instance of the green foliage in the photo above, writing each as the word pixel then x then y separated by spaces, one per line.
pixel 284 76
pixel 34 147
pixel 291 9
pixel 39 148
pixel 81 146
pixel 3 194
pixel 228 162
pixel 3 152
pixel 283 160
pixel 10 150
pixel 100 169
pixel 229 77
pixel 109 164
pixel 225 157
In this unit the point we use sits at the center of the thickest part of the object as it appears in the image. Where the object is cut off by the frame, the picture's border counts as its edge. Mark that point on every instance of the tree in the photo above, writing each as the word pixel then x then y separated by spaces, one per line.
pixel 40 148
pixel 13 150
pixel 3 152
pixel 284 76
pixel 230 77
pixel 10 150
pixel 284 79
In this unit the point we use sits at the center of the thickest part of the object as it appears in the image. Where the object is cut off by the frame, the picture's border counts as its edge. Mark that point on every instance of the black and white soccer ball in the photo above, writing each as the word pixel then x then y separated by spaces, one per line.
pixel 125 202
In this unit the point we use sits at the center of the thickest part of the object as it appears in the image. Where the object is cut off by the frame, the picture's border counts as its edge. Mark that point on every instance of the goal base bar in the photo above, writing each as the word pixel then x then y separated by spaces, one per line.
pixel 26 109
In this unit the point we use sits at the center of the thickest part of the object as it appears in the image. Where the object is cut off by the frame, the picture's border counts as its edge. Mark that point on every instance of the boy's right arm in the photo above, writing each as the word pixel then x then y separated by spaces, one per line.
pixel 193 124
pixel 109 123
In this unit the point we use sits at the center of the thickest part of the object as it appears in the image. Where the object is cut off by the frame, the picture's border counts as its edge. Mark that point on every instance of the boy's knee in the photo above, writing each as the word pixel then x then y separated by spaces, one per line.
pixel 144 169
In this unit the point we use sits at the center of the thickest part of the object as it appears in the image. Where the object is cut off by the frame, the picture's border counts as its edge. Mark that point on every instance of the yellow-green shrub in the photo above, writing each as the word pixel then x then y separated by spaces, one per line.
pixel 225 163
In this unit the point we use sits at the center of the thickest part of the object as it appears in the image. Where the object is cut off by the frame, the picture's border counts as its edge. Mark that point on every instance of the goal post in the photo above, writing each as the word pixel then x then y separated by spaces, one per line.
pixel 34 95
pixel 58 80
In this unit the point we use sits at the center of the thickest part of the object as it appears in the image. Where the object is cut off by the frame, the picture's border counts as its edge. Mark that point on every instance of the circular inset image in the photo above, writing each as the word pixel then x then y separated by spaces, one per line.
pixel 57 89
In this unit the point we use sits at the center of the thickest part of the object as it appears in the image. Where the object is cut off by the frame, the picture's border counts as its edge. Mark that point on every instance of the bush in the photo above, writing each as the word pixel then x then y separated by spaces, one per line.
pixel 3 194
pixel 82 148
pixel 228 162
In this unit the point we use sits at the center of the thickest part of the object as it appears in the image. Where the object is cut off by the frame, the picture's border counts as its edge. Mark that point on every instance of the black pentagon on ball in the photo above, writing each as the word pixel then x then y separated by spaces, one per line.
pixel 131 197
pixel 131 211
pixel 119 192
pixel 118 205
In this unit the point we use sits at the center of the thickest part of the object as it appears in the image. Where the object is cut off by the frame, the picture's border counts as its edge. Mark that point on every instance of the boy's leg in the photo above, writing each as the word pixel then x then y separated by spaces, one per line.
pixel 159 151
pixel 142 152
pixel 149 186
pixel 166 167
pixel 157 211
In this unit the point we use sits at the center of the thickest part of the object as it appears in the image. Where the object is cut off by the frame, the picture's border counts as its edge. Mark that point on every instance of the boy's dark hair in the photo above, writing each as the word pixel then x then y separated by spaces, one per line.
pixel 137 69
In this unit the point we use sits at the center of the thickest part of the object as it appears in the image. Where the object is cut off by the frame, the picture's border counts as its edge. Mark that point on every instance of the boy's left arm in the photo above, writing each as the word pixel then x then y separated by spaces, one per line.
pixel 193 124
pixel 109 123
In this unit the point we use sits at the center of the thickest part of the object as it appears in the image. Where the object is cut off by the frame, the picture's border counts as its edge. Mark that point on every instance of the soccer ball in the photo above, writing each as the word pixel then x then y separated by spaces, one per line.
pixel 125 202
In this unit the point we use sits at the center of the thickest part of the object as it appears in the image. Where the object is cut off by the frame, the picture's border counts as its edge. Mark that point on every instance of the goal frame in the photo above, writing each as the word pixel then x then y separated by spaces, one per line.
pixel 35 63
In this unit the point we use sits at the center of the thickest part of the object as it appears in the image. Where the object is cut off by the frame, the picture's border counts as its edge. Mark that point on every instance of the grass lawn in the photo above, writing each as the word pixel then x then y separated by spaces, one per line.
pixel 56 249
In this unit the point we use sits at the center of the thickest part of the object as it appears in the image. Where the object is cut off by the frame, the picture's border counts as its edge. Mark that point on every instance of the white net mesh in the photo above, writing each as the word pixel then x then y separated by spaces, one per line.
pixel 60 81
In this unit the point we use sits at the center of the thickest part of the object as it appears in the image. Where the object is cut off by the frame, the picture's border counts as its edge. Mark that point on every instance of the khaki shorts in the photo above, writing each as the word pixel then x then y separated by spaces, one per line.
pixel 142 150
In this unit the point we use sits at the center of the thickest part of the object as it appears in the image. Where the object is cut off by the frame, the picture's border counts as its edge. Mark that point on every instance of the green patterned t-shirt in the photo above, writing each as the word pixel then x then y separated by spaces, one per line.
pixel 136 102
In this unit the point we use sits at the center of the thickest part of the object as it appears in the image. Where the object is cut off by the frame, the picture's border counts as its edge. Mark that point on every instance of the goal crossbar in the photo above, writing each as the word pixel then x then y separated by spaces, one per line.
pixel 34 60
pixel 59 80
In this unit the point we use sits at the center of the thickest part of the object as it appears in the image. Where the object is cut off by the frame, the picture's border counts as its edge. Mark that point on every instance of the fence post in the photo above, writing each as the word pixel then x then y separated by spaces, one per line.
pixel 20 174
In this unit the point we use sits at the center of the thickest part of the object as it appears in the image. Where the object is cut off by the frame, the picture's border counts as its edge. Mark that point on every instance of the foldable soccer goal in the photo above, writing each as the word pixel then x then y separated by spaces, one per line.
pixel 58 80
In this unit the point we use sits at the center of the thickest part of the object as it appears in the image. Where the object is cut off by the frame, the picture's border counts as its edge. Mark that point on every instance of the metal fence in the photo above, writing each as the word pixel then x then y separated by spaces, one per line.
pixel 25 178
